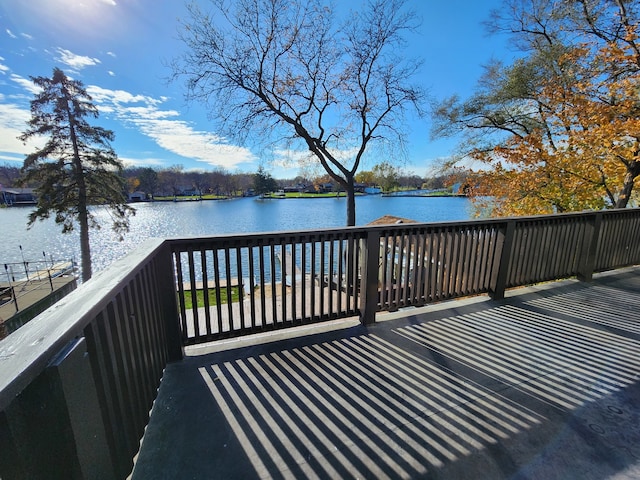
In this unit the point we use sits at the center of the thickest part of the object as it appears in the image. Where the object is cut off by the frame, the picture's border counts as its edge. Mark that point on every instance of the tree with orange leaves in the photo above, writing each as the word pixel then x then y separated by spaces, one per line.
pixel 558 130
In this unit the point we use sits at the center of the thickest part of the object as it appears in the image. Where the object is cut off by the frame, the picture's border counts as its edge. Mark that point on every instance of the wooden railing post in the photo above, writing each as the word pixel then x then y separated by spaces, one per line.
pixel 587 260
pixel 369 280
pixel 503 258
pixel 168 294
pixel 55 427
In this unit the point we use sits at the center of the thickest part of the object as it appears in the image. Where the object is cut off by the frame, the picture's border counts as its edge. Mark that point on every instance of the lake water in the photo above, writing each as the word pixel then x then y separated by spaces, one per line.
pixel 184 219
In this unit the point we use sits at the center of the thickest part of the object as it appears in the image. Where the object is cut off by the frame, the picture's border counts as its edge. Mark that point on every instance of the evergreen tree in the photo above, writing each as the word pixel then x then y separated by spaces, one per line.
pixel 263 182
pixel 77 167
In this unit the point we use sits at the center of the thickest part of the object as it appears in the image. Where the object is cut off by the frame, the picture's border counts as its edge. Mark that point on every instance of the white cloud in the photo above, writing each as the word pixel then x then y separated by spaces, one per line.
pixel 25 83
pixel 13 120
pixel 105 95
pixel 76 62
pixel 142 162
pixel 166 129
pixel 8 158
pixel 109 2
pixel 142 112
pixel 111 54
pixel 27 36
pixel 10 33
pixel 111 74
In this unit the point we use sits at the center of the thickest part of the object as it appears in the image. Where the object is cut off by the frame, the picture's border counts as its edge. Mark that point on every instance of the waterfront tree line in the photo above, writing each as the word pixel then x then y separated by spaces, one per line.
pixel 175 181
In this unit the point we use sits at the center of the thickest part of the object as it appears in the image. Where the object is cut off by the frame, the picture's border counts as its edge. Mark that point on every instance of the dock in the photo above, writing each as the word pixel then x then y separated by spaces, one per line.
pixel 23 298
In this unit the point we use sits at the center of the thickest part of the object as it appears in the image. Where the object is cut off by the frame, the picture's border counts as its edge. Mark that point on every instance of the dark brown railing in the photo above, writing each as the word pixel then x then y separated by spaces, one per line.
pixel 280 280
pixel 77 383
pixel 275 280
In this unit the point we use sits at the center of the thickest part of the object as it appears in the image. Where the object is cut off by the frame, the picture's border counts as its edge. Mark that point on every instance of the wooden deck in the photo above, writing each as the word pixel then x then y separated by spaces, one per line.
pixel 542 384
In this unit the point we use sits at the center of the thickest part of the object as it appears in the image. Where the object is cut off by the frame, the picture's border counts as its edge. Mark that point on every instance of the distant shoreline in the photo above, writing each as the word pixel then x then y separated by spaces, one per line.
pixel 295 195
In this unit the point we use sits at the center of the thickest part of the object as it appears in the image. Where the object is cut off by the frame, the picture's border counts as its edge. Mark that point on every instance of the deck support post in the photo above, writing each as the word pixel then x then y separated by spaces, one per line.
pixel 55 427
pixel 587 258
pixel 167 287
pixel 370 267
pixel 503 258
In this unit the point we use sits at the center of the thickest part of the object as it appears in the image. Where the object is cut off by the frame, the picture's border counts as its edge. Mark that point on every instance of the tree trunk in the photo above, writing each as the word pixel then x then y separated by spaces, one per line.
pixel 85 248
pixel 351 202
pixel 83 220
pixel 633 170
pixel 83 214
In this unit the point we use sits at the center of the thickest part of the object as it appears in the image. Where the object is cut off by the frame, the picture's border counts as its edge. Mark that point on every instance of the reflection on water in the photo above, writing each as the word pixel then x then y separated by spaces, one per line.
pixel 184 219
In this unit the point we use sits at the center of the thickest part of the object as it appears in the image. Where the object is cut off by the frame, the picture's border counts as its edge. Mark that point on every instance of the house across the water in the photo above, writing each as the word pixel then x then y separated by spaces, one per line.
pixel 17 196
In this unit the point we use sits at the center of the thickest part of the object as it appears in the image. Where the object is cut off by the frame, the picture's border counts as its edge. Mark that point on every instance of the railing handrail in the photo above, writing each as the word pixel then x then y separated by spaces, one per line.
pixel 278 234
pixel 28 350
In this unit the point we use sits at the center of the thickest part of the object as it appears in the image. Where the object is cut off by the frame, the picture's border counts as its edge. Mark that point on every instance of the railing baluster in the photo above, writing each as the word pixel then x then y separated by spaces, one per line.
pixel 263 286
pixel 332 280
pixel 252 287
pixel 295 318
pixel 283 281
pixel 587 262
pixel 384 283
pixel 323 278
pixel 416 253
pixel 240 275
pixel 486 261
pixel 228 289
pixel 353 269
pixel 194 294
pixel 474 256
pixel 274 288
pixel 408 239
pixel 304 281
pixel 342 280
pixel 205 292
pixel 183 311
pixel 218 287
pixel 314 278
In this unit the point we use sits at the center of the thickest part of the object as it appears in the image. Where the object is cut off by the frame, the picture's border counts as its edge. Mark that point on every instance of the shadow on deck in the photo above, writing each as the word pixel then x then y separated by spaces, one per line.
pixel 543 384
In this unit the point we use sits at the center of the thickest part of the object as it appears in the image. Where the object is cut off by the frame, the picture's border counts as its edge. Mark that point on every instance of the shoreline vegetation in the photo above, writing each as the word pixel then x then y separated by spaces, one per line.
pixel 291 195
pixel 273 196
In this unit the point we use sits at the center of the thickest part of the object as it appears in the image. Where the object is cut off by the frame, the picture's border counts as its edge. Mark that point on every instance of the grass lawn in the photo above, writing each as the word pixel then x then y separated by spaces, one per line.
pixel 190 198
pixel 235 296
pixel 306 195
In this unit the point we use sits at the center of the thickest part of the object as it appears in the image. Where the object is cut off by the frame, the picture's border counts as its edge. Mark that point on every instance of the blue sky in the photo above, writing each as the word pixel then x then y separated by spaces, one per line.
pixel 120 49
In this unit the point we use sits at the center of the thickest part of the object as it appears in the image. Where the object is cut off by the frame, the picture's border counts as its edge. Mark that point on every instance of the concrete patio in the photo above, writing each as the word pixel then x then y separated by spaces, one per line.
pixel 541 385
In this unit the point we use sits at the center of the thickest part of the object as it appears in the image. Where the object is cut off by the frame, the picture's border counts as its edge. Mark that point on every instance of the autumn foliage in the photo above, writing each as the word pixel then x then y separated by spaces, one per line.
pixel 569 129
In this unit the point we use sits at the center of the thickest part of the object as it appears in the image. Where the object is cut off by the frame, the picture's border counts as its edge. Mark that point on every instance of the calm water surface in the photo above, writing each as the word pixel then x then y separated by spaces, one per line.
pixel 183 219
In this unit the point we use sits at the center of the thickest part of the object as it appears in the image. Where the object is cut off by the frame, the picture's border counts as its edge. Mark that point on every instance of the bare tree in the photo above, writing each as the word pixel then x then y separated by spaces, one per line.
pixel 290 72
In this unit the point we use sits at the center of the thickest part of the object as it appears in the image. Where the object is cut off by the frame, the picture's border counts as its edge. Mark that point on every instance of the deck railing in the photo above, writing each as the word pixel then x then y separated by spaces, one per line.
pixel 278 280
pixel 77 382
pixel 264 282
